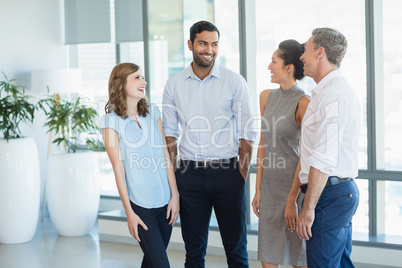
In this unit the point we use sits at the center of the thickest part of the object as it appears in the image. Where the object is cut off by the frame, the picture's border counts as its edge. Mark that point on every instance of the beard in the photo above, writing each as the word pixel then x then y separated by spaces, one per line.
pixel 202 63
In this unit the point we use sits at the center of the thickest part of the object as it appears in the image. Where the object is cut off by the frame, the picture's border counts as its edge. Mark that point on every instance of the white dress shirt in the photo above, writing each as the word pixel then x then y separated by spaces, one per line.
pixel 330 129
pixel 213 113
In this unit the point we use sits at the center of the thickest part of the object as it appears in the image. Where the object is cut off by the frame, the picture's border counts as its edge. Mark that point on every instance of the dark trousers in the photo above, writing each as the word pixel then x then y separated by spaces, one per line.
pixel 221 188
pixel 155 240
pixel 331 243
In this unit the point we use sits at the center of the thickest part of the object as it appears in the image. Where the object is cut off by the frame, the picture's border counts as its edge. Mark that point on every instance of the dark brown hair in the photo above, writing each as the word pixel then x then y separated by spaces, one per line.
pixel 117 95
pixel 290 52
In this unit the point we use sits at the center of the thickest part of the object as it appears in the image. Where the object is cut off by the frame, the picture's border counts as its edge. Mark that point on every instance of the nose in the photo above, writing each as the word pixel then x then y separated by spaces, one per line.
pixel 269 66
pixel 208 48
pixel 302 57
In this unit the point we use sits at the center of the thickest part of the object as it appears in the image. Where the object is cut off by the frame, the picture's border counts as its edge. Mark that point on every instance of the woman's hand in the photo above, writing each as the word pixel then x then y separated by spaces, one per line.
pixel 291 215
pixel 256 204
pixel 173 209
pixel 133 220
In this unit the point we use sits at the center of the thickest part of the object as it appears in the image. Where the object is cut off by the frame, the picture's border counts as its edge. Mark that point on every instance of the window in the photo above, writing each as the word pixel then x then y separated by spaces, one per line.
pixel 273 26
pixel 388 93
pixel 375 57
pixel 301 19
pixel 168 32
pixel 392 202
pixel 361 218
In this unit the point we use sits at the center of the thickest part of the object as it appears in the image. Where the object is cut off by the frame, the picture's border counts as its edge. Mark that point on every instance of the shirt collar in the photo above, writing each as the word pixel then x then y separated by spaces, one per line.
pixel 215 71
pixel 321 85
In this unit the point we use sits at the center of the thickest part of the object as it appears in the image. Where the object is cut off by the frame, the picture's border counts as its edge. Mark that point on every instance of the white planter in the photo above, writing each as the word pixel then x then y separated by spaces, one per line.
pixel 72 189
pixel 19 190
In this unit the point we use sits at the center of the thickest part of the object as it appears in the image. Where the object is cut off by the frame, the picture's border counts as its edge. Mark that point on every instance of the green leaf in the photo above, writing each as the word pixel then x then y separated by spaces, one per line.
pixel 15 108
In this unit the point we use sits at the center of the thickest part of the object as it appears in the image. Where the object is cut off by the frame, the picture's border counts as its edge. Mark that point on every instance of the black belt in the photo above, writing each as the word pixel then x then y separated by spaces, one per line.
pixel 332 180
pixel 207 163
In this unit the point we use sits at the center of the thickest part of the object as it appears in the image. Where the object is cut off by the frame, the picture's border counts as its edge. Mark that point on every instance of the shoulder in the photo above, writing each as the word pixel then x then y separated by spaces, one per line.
pixel 154 110
pixel 111 116
pixel 112 120
pixel 152 106
pixel 264 94
pixel 302 105
pixel 304 101
pixel 263 99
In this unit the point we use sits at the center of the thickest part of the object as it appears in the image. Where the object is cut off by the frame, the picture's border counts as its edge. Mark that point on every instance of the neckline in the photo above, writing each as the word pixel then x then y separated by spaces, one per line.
pixel 137 122
pixel 288 90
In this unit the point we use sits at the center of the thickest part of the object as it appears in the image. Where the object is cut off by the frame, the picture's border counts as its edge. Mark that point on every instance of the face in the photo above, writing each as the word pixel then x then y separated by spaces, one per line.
pixel 277 68
pixel 135 85
pixel 310 58
pixel 205 48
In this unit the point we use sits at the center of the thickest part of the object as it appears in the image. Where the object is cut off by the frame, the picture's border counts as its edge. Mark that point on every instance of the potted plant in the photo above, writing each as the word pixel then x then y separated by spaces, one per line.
pixel 19 165
pixel 72 185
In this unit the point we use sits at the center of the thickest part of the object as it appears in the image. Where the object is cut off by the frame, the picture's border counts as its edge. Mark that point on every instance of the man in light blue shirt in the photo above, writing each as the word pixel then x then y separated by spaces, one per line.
pixel 211 105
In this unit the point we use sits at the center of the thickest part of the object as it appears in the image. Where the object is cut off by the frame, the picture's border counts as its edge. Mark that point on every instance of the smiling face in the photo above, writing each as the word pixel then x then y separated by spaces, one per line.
pixel 310 58
pixel 135 86
pixel 205 48
pixel 277 68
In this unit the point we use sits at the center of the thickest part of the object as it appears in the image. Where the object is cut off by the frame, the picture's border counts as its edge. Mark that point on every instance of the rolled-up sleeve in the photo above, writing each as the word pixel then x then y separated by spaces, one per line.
pixel 328 131
pixel 243 112
pixel 169 113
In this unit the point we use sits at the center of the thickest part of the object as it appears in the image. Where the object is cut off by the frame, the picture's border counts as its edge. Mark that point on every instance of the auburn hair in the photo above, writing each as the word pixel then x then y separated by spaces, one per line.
pixel 117 95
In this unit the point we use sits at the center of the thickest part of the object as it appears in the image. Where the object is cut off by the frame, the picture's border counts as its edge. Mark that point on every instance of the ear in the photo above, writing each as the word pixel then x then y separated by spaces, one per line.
pixel 320 52
pixel 289 68
pixel 190 45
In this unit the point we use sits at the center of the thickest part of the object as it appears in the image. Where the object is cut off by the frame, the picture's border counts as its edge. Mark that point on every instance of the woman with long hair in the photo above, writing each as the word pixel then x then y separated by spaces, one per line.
pixel 135 143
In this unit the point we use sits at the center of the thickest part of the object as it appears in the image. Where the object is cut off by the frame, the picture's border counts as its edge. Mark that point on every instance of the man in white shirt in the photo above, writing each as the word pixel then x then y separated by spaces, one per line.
pixel 329 148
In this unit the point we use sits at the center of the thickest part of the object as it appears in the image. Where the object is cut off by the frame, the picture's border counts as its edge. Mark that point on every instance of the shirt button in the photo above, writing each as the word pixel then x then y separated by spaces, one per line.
pixel 350 195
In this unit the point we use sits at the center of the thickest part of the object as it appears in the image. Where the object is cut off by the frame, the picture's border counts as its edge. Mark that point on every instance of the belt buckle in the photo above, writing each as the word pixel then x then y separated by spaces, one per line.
pixel 201 163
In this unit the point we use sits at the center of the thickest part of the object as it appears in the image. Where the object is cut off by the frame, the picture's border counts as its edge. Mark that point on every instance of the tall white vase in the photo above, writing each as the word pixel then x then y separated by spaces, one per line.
pixel 73 189
pixel 19 190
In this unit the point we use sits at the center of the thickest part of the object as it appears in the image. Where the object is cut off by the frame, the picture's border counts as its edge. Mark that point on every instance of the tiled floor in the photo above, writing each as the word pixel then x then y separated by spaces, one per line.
pixel 49 250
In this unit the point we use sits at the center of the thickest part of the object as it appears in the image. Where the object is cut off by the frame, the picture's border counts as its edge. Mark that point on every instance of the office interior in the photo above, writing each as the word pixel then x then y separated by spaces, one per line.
pixel 94 35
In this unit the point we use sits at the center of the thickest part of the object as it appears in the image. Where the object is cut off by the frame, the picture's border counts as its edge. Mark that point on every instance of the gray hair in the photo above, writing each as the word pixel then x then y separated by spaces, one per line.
pixel 333 42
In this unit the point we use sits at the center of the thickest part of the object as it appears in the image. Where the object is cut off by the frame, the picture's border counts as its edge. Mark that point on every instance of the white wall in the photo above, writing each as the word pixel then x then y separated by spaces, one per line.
pixel 32 38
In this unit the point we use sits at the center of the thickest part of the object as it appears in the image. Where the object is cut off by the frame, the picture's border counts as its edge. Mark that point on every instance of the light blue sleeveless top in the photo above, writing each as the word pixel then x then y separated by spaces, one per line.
pixel 143 157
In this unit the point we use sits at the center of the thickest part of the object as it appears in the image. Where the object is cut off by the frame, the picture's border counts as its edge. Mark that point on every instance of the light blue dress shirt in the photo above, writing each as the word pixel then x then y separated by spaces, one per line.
pixel 143 157
pixel 213 113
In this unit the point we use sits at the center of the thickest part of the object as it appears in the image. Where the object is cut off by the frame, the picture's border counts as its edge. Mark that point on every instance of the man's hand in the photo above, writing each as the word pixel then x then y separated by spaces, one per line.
pixel 304 223
pixel 245 151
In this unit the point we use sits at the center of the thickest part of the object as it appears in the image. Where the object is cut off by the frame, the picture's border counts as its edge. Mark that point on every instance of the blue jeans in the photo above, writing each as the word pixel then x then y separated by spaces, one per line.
pixel 221 188
pixel 331 243
pixel 154 241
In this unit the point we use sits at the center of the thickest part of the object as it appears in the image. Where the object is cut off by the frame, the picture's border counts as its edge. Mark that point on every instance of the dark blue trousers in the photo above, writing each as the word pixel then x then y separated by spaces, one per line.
pixel 155 240
pixel 331 243
pixel 221 188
